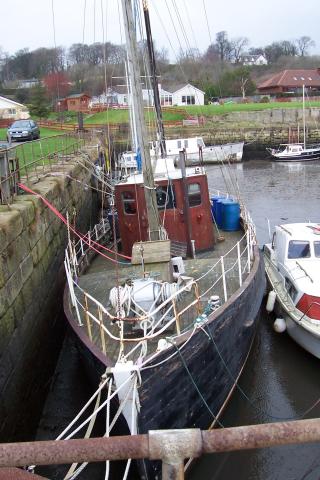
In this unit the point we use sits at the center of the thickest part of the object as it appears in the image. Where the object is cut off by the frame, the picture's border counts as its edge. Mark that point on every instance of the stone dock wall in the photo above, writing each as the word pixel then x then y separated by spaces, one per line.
pixel 258 129
pixel 32 243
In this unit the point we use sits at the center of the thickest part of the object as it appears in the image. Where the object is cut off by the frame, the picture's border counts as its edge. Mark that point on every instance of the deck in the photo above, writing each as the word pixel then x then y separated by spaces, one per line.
pixel 102 275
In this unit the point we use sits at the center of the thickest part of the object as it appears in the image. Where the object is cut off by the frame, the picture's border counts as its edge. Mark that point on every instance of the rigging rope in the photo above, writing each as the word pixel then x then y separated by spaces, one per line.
pixel 245 396
pixel 79 235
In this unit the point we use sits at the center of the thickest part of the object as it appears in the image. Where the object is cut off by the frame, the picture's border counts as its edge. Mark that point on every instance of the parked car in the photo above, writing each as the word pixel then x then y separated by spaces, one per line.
pixel 23 130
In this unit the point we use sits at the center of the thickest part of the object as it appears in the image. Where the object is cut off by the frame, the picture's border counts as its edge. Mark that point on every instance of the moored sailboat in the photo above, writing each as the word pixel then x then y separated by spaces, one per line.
pixel 170 317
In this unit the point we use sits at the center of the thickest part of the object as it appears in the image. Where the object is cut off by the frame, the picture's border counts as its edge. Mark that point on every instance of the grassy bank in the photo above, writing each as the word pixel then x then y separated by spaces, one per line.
pixel 208 110
pixel 170 115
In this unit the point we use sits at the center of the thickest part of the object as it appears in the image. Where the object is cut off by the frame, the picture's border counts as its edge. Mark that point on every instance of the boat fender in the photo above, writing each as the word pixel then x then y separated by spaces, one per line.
pixel 271 301
pixel 279 325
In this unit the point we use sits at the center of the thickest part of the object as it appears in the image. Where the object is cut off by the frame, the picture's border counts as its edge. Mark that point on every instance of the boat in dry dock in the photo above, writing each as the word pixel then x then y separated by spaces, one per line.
pixel 164 306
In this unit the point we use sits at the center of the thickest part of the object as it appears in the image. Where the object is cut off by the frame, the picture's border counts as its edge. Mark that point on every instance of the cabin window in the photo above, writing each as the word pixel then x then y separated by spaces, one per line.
pixel 186 144
pixel 179 144
pixel 129 203
pixel 316 249
pixel 165 197
pixel 298 249
pixel 194 194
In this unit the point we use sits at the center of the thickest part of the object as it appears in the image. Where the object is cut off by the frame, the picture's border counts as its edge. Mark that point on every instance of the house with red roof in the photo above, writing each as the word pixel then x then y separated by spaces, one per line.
pixel 291 81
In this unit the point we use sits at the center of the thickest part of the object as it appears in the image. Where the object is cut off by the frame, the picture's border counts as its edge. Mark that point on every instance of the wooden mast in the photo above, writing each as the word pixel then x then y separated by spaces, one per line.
pixel 141 130
pixel 155 86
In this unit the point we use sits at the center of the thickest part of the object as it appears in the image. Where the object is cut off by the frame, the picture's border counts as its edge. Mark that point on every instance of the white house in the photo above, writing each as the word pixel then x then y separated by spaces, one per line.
pixel 183 95
pixel 180 95
pixel 12 110
pixel 254 60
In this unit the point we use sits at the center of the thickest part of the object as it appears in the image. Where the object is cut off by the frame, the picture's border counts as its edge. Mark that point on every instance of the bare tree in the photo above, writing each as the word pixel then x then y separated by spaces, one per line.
pixel 212 54
pixel 303 44
pixel 238 46
pixel 223 45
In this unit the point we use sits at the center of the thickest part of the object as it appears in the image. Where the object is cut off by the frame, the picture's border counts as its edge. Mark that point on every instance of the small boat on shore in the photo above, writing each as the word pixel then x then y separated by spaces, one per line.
pixel 292 263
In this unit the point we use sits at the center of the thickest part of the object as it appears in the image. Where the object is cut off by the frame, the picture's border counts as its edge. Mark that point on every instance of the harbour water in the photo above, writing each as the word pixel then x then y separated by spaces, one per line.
pixel 280 381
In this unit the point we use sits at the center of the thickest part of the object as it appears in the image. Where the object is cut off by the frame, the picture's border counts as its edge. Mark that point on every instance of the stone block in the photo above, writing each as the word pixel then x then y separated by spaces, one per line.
pixel 48 188
pixel 26 210
pixel 35 255
pixel 37 203
pixel 26 267
pixel 18 309
pixel 3 301
pixel 49 234
pixel 32 289
pixel 11 226
pixel 13 286
pixel 36 231
pixel 48 257
pixel 41 246
pixel 6 367
pixel 7 326
pixel 14 254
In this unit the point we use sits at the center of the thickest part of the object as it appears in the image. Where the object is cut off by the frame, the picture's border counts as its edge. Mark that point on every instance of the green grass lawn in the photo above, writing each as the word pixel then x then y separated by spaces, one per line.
pixel 122 116
pixel 208 110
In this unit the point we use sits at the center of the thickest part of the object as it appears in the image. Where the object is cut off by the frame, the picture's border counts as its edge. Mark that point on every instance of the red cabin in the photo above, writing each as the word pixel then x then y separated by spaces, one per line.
pixel 132 213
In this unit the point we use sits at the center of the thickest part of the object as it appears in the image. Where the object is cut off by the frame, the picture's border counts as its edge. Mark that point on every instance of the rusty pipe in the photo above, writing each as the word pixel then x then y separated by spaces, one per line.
pixel 69 451
pixel 171 446
pixel 261 436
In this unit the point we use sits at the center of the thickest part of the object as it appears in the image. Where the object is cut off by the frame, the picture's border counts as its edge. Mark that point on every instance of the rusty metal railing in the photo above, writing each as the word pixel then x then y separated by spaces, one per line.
pixel 173 447
pixel 31 160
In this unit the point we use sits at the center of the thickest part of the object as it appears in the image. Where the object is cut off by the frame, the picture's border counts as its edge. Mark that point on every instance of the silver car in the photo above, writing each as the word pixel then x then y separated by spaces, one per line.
pixel 23 130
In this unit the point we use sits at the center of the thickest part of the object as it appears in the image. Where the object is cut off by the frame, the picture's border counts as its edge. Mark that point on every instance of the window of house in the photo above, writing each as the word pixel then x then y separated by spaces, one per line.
pixel 194 194
pixel 129 203
pixel 188 99
pixel 295 78
pixel 298 249
pixel 12 111
pixel 179 144
pixel 302 78
pixel 165 197
pixel 309 78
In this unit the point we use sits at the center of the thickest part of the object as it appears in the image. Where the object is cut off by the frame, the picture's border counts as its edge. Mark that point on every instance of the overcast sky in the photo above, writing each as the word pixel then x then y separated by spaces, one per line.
pixel 29 23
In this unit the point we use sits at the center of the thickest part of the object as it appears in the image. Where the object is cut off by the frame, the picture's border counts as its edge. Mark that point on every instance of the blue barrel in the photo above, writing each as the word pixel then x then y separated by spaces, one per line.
pixel 214 201
pixel 218 211
pixel 230 215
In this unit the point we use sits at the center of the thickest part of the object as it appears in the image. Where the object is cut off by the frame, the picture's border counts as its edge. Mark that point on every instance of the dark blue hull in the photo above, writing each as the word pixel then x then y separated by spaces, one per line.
pixel 210 363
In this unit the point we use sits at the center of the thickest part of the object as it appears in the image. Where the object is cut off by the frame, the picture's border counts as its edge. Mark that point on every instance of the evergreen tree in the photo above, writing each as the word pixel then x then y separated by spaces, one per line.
pixel 39 105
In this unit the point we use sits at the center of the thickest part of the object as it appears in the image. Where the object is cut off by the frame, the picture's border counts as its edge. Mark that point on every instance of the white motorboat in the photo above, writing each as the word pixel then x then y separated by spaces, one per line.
pixel 292 262
pixel 295 151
